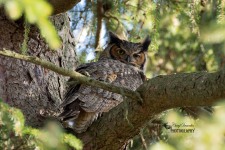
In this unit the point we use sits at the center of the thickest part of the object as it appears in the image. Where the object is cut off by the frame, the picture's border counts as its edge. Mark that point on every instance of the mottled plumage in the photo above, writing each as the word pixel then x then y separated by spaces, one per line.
pixel 121 64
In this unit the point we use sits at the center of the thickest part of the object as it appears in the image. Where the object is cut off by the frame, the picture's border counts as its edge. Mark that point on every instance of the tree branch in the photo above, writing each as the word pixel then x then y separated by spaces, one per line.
pixel 109 16
pixel 73 74
pixel 61 6
pixel 159 94
pixel 99 22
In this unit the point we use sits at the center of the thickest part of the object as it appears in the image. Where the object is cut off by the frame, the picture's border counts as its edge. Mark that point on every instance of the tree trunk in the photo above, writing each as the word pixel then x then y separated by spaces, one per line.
pixel 29 87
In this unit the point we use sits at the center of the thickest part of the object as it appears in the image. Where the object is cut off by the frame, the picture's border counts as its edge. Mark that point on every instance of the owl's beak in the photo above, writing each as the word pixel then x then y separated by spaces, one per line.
pixel 131 61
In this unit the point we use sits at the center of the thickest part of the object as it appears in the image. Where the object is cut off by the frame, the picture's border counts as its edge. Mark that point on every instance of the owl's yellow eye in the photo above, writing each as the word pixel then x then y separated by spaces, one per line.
pixel 121 52
pixel 137 55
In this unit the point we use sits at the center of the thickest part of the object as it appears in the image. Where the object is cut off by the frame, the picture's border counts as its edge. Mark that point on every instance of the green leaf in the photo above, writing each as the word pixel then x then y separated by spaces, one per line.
pixel 72 141
pixel 14 9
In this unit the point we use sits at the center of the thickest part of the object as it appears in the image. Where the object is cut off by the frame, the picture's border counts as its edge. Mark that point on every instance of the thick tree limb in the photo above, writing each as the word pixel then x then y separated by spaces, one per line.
pixel 76 75
pixel 159 94
pixel 61 6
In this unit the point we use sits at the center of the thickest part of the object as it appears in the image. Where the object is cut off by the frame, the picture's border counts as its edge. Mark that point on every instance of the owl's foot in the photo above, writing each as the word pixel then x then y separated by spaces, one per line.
pixel 86 74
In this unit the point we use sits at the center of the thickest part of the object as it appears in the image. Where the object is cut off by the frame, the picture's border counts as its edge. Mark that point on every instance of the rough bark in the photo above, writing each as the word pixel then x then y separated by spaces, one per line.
pixel 115 128
pixel 26 86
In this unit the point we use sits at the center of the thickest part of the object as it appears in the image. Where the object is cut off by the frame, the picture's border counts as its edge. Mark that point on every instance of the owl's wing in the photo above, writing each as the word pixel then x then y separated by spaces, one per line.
pixel 81 100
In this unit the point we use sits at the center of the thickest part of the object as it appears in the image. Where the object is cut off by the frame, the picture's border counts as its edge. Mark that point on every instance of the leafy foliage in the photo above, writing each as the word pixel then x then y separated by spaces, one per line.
pixel 35 12
pixel 15 135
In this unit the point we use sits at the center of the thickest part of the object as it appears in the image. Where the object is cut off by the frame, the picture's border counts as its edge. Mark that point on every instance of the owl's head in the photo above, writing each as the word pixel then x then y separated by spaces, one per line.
pixel 127 52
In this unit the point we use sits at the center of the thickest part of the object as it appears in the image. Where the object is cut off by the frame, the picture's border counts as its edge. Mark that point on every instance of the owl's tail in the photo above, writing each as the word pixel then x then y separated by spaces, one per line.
pixel 76 118
pixel 84 120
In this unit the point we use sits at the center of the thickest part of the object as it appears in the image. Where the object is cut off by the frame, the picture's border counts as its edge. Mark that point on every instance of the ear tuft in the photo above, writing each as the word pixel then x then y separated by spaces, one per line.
pixel 114 38
pixel 146 43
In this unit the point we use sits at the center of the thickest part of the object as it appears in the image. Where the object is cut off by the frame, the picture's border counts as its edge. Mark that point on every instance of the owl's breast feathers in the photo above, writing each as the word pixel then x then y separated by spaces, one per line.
pixel 83 104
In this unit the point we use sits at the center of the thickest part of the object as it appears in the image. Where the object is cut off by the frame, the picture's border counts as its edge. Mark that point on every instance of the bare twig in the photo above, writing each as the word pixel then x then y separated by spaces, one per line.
pixel 109 16
pixel 143 141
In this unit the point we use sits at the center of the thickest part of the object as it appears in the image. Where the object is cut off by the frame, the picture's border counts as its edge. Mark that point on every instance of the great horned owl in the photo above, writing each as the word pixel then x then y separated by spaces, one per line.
pixel 122 63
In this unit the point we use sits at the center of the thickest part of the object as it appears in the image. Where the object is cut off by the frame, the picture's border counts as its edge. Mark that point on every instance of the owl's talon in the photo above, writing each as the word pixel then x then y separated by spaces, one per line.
pixel 86 74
